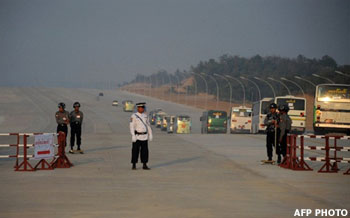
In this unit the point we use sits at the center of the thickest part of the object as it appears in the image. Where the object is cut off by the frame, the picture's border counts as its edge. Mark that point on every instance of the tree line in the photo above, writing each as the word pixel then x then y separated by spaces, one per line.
pixel 257 69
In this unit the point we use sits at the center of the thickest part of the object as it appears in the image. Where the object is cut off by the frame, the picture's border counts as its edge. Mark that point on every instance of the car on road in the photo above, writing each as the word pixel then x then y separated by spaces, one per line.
pixel 214 121
pixel 152 116
pixel 159 118
pixel 240 120
pixel 170 124
pixel 183 124
pixel 128 106
pixel 164 123
pixel 115 103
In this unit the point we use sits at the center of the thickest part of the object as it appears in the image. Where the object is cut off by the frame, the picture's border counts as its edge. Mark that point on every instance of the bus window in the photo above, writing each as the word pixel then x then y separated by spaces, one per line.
pixel 334 93
pixel 293 104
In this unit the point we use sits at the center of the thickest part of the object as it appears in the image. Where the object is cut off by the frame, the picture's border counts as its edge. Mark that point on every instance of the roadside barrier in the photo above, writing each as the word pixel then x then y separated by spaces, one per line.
pixel 331 158
pixel 60 160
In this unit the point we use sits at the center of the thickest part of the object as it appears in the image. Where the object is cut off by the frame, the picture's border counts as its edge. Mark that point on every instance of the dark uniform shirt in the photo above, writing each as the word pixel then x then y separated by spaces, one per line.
pixel 285 124
pixel 270 117
pixel 62 117
pixel 76 117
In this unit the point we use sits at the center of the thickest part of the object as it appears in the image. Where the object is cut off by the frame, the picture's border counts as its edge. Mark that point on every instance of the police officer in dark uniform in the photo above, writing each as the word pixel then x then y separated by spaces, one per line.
pixel 271 123
pixel 141 132
pixel 285 125
pixel 76 120
pixel 62 119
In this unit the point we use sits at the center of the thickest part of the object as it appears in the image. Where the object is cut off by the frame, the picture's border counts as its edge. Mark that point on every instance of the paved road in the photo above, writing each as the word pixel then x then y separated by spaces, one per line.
pixel 192 175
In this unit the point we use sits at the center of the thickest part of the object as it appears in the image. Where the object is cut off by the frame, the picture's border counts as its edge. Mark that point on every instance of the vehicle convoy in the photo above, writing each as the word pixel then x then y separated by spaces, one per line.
pixel 259 111
pixel 159 118
pixel 128 106
pixel 183 124
pixel 332 109
pixel 297 111
pixel 115 103
pixel 214 121
pixel 240 120
pixel 170 124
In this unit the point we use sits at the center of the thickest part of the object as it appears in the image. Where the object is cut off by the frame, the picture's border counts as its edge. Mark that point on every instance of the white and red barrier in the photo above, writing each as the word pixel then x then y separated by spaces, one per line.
pixel 292 161
pixel 59 161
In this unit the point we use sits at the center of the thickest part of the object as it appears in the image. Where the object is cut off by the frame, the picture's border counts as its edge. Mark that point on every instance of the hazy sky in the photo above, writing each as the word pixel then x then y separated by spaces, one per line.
pixel 93 40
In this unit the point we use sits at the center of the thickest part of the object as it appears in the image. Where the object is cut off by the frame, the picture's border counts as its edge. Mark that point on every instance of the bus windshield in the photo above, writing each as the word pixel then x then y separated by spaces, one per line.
pixel 333 93
pixel 292 103
pixel 217 114
pixel 241 112
pixel 265 107
pixel 183 118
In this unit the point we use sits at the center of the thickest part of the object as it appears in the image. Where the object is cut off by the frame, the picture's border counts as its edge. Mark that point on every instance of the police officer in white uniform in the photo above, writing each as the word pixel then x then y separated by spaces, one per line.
pixel 141 132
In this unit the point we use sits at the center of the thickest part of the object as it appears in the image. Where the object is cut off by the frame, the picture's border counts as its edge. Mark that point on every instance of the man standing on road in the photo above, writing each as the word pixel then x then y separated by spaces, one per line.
pixel 62 119
pixel 141 132
pixel 271 123
pixel 285 125
pixel 76 120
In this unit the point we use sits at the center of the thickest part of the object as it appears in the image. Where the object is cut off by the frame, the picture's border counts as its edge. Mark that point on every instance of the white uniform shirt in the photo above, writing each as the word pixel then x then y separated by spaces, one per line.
pixel 137 125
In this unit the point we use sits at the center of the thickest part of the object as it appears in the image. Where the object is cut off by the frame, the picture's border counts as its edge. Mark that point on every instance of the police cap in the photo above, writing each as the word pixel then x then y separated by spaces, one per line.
pixel 273 105
pixel 141 104
pixel 76 104
pixel 62 105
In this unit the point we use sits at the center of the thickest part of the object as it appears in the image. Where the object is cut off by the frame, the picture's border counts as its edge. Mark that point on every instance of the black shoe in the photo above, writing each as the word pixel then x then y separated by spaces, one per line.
pixel 145 167
pixel 133 167
pixel 71 151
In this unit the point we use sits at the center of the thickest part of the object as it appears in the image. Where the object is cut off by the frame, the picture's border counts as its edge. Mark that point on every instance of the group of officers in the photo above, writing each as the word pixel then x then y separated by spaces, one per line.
pixel 74 119
pixel 278 125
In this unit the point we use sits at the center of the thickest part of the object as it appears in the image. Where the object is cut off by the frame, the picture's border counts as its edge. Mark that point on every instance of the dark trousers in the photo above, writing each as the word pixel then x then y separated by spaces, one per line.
pixel 283 144
pixel 270 142
pixel 75 131
pixel 136 148
pixel 62 128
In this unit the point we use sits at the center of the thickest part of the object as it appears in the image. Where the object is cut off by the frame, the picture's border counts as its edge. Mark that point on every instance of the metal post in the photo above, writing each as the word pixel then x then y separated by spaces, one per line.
pixel 284 85
pixel 296 84
pixel 273 90
pixel 229 84
pixel 206 89
pixel 322 77
pixel 255 84
pixel 217 90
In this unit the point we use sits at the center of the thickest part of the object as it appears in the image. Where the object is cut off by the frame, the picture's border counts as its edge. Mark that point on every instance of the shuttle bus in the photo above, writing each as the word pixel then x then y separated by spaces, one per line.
pixel 183 124
pixel 214 121
pixel 240 120
pixel 332 108
pixel 260 109
pixel 297 111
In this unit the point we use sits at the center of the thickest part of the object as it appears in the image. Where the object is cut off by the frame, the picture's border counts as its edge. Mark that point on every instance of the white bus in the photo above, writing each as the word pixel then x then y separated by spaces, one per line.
pixel 297 111
pixel 240 120
pixel 332 108
pixel 260 109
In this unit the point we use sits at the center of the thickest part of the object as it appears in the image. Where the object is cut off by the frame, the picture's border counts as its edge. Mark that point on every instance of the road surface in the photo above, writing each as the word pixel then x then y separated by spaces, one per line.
pixel 192 175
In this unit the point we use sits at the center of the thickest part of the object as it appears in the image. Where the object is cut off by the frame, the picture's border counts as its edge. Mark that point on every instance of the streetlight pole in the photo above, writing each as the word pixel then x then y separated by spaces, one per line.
pixel 308 81
pixel 170 85
pixel 269 84
pixel 206 89
pixel 284 85
pixel 325 78
pixel 254 83
pixel 296 84
pixel 242 85
pixel 341 73
pixel 229 84
pixel 177 86
pixel 217 91
pixel 195 89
